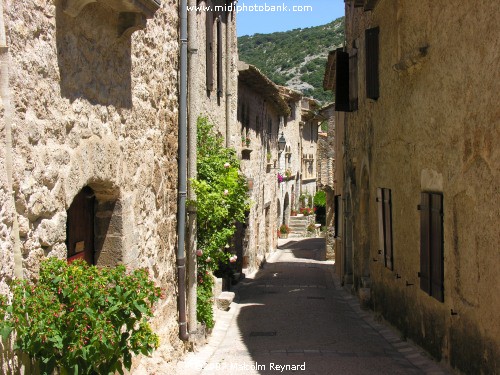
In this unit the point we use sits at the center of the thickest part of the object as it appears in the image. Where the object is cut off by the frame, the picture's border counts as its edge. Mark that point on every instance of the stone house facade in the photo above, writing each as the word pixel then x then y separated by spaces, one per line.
pixel 261 110
pixel 309 128
pixel 213 74
pixel 326 173
pixel 415 95
pixel 290 159
pixel 89 130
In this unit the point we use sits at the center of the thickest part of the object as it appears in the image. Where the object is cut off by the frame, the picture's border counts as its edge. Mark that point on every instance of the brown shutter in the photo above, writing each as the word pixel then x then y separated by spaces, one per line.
pixel 380 210
pixel 372 56
pixel 353 80
pixel 388 228
pixel 210 50
pixel 436 227
pixel 80 226
pixel 336 206
pixel 219 58
pixel 425 277
pixel 342 81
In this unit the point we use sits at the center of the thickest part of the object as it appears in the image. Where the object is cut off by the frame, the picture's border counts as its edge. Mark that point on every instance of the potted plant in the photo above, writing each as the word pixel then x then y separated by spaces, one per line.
pixel 284 231
pixel 293 213
pixel 268 157
pixel 288 174
pixel 243 140
pixel 247 141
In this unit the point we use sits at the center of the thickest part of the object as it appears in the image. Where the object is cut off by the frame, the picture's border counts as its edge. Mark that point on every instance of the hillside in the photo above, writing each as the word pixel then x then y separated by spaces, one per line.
pixel 294 58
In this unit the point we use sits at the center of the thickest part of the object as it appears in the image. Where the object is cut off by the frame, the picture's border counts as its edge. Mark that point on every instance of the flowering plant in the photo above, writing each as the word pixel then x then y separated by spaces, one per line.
pixel 81 318
pixel 306 211
pixel 284 229
pixel 280 178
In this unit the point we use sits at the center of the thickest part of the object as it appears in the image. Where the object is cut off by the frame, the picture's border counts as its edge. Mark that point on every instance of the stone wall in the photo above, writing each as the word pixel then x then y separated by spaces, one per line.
pixel 220 109
pixel 261 128
pixel 93 108
pixel 433 128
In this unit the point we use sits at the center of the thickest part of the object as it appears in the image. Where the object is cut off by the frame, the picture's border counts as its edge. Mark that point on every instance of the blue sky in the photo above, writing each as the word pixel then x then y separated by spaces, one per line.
pixel 314 12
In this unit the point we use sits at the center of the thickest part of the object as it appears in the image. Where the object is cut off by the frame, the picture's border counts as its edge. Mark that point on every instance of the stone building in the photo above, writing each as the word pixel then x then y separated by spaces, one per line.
pixel 310 122
pixel 326 172
pixel 213 74
pixel 417 119
pixel 261 110
pixel 290 158
pixel 89 140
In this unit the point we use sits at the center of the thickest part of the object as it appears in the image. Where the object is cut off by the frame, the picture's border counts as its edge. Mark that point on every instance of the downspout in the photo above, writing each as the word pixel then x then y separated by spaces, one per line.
pixel 228 78
pixel 182 173
pixel 7 105
pixel 192 169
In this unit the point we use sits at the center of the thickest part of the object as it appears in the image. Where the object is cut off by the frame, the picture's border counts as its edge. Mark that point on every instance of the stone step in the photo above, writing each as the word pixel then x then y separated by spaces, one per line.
pixel 224 300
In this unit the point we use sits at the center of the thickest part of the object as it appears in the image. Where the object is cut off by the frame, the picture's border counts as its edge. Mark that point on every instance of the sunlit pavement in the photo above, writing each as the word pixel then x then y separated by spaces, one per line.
pixel 293 317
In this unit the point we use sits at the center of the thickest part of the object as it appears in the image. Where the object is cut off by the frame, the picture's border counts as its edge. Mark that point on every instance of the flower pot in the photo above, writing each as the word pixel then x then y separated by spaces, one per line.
pixel 284 235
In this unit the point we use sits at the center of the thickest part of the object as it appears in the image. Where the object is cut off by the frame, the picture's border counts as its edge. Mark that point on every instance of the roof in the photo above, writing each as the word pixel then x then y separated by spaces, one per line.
pixel 290 94
pixel 253 78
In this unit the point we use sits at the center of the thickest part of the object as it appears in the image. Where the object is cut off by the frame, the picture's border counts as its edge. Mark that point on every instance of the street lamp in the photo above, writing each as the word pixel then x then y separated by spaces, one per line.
pixel 281 143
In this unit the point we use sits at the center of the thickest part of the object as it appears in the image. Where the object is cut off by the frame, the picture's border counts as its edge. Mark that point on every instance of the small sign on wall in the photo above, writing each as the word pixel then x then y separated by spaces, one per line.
pixel 79 246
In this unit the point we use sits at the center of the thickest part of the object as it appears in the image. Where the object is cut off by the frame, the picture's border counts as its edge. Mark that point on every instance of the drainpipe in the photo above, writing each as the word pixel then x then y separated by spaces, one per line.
pixel 228 78
pixel 182 170
pixel 192 170
pixel 6 100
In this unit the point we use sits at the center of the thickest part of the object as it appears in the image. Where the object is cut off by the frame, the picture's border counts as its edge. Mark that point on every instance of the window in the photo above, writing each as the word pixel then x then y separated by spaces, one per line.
pixel 371 49
pixel 219 58
pixel 210 51
pixel 384 205
pixel 431 245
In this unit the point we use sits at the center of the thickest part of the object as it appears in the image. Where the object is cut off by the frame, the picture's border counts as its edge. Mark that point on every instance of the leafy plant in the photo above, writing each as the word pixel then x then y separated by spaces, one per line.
pixel 311 228
pixel 80 318
pixel 284 229
pixel 222 200
pixel 320 199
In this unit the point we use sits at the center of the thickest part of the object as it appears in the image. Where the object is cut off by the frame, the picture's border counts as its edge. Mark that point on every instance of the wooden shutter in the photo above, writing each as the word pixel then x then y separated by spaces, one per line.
pixel 210 50
pixel 372 57
pixel 380 211
pixel 425 247
pixel 353 80
pixel 436 242
pixel 336 206
pixel 80 227
pixel 388 228
pixel 342 81
pixel 220 78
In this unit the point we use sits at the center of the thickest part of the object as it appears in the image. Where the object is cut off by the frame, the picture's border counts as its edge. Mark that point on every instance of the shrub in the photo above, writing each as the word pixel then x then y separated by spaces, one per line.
pixel 320 199
pixel 80 318
pixel 284 229
pixel 221 201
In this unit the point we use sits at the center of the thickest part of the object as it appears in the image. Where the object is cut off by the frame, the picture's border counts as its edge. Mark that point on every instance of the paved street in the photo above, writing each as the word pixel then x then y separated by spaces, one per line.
pixel 293 317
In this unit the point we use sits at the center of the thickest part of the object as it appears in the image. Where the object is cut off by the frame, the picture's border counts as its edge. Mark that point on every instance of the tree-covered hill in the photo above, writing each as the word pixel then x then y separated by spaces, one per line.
pixel 294 58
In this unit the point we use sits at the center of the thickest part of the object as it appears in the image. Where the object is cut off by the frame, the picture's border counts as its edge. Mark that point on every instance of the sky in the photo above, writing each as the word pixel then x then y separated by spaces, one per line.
pixel 253 16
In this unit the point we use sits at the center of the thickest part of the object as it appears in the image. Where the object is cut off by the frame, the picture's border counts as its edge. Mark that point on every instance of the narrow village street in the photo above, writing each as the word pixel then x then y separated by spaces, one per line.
pixel 294 313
